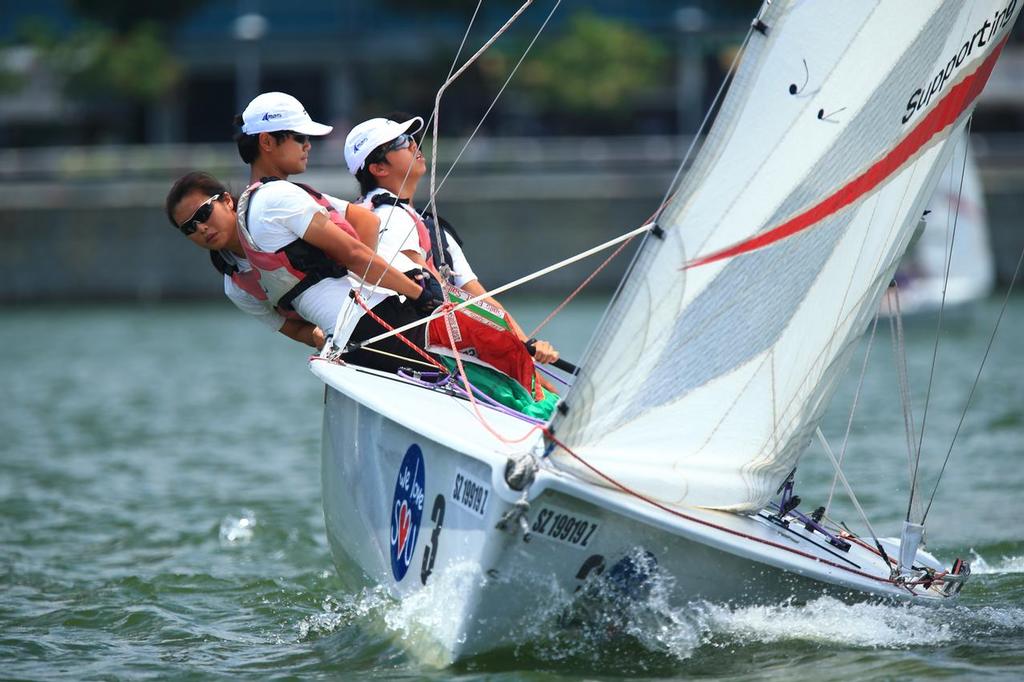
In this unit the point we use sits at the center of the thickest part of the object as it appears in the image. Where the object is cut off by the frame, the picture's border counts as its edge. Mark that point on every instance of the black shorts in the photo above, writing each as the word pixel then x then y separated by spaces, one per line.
pixel 396 314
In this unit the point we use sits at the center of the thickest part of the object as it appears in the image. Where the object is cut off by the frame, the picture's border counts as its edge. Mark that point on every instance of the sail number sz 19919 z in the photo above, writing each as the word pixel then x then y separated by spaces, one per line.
pixel 569 528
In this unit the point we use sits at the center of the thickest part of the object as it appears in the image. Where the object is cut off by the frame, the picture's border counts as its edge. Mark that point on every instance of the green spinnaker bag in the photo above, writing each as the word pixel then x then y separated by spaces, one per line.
pixel 505 389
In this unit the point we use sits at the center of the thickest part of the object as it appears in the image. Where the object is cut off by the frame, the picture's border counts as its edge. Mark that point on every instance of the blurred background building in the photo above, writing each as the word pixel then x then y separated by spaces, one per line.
pixel 103 103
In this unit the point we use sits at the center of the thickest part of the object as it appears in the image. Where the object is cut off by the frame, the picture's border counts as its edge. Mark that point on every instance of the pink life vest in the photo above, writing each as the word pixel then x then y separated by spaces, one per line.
pixel 289 271
pixel 246 280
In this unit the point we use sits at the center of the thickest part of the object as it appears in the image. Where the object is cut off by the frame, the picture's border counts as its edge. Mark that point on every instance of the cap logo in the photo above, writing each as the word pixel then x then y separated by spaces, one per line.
pixel 267 116
pixel 359 144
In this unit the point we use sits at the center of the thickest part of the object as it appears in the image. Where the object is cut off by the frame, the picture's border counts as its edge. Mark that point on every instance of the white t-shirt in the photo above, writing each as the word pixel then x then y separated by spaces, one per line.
pixel 246 302
pixel 279 213
pixel 398 233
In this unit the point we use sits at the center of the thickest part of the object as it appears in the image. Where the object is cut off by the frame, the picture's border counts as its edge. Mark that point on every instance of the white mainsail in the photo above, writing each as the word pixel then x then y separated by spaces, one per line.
pixel 712 368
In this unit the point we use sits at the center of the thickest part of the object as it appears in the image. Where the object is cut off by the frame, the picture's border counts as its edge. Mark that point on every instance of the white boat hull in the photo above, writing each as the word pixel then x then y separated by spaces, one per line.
pixel 475 587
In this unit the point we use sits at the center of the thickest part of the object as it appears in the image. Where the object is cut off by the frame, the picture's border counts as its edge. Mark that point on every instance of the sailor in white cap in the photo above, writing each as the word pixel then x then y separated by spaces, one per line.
pixel 303 242
pixel 384 156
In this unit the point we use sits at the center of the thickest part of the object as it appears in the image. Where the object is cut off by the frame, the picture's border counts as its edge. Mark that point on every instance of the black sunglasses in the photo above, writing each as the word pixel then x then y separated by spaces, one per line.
pixel 301 138
pixel 201 215
pixel 401 142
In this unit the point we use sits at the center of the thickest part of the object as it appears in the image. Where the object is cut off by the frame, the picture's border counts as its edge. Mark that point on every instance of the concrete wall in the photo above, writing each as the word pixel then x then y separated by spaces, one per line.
pixel 65 235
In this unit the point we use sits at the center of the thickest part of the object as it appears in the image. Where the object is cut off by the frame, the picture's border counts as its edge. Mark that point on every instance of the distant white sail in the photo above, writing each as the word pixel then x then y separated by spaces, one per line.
pixel 714 365
pixel 955 237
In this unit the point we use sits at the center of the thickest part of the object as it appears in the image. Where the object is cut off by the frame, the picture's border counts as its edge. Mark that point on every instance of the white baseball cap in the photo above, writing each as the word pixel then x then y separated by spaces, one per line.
pixel 274 111
pixel 371 134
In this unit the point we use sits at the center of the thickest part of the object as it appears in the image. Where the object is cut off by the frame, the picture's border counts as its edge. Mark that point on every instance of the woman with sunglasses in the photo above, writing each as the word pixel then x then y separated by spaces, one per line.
pixel 383 155
pixel 306 245
pixel 203 209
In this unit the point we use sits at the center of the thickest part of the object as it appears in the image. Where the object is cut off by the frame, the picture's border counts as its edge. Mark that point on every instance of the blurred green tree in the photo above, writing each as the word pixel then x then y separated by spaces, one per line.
pixel 119 49
pixel 597 67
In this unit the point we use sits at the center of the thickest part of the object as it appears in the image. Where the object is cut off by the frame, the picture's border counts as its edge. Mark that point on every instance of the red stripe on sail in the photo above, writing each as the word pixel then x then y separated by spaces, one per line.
pixel 938 119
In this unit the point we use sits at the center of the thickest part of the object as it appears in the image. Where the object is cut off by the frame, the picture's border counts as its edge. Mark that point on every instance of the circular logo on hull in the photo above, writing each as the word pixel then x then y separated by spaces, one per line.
pixel 406 511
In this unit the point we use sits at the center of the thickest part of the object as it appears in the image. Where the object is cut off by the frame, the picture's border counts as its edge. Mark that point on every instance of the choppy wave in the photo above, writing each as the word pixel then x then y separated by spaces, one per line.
pixel 336 613
pixel 604 625
pixel 1005 564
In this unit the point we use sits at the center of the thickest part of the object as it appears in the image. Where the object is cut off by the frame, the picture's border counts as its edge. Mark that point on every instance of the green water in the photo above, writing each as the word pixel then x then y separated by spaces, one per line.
pixel 160 517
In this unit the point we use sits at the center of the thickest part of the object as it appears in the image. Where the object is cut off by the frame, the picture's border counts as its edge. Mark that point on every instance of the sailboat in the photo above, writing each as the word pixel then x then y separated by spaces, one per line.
pixel 674 450
pixel 951 265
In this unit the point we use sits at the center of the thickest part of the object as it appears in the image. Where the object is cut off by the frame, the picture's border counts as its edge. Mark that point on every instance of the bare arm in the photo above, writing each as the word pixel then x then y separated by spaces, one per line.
pixel 366 223
pixel 357 257
pixel 303 332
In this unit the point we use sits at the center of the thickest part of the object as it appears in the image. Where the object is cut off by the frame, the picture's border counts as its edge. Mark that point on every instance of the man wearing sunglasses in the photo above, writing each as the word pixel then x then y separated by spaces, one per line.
pixel 387 162
pixel 302 242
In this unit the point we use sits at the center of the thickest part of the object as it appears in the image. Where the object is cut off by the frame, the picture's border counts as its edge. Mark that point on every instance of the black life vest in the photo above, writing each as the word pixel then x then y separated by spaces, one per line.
pixel 438 253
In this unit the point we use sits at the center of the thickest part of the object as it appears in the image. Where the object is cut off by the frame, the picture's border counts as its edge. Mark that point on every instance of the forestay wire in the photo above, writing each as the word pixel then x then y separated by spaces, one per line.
pixel 853 411
pixel 974 386
pixel 950 242
pixel 899 351
pixel 849 490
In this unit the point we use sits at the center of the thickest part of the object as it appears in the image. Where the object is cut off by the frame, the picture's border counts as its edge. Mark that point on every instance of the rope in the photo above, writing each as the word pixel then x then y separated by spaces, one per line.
pixel 397 356
pixel 494 101
pixel 580 288
pixel 447 381
pixel 480 123
pixel 472 399
pixel 977 377
pixel 849 490
pixel 431 203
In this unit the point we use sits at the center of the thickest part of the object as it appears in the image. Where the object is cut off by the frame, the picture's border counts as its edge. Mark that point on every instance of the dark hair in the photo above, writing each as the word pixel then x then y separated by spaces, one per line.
pixel 367 180
pixel 196 181
pixel 249 145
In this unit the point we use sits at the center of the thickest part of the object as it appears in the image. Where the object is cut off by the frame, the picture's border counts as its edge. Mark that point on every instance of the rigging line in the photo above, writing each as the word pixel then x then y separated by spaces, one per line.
pixel 846 484
pixel 343 316
pixel 951 242
pixel 494 102
pixel 511 285
pixel 899 357
pixel 580 288
pixel 669 193
pixel 431 202
pixel 403 358
pixel 970 396
pixel 853 410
